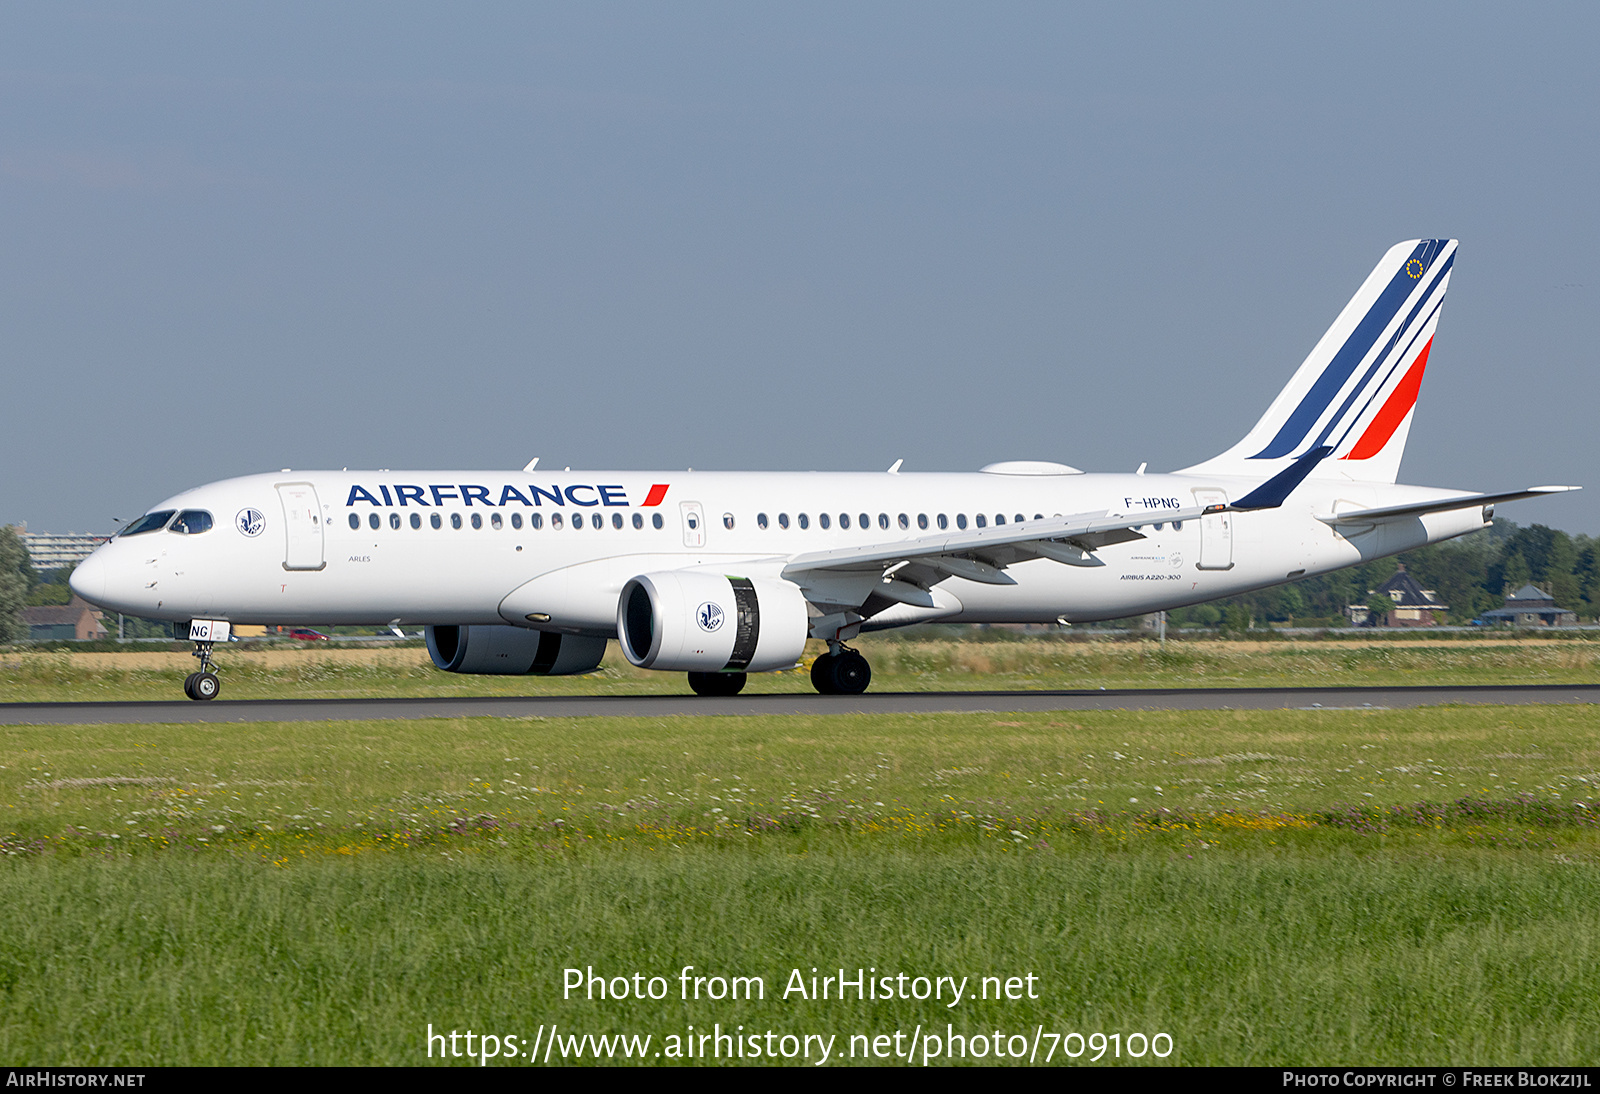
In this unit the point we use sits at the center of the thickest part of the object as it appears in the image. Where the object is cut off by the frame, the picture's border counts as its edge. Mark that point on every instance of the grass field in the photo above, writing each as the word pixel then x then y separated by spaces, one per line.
pixel 1039 661
pixel 1404 887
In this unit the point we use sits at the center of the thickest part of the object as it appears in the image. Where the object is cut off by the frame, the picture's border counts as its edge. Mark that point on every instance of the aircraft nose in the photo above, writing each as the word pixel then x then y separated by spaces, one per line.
pixel 89 579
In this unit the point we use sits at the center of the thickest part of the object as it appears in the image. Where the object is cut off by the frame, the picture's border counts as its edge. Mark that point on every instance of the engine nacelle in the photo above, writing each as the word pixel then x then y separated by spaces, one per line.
pixel 493 650
pixel 688 621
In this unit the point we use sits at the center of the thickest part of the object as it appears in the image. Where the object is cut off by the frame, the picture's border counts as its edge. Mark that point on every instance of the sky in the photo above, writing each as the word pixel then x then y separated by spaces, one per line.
pixel 235 238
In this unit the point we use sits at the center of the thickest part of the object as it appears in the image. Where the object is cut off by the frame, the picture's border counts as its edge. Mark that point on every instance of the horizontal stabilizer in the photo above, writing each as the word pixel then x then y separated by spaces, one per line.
pixel 1440 505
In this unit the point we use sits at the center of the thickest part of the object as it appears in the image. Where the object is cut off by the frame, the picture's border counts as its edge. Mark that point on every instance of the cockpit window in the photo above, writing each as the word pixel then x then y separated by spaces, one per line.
pixel 192 522
pixel 150 522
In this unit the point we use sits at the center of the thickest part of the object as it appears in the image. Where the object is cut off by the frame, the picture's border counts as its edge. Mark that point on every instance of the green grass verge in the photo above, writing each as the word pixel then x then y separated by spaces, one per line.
pixel 1041 661
pixel 1337 960
pixel 1299 887
pixel 939 779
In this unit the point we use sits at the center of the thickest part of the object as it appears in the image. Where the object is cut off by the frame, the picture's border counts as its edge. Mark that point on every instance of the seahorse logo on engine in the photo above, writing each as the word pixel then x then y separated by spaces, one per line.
pixel 709 616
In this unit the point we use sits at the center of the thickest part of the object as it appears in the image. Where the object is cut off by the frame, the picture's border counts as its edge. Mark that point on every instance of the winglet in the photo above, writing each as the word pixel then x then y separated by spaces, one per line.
pixel 1273 492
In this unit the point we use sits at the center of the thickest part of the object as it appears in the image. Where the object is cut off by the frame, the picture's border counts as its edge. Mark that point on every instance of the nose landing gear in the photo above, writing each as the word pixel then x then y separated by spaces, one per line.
pixel 840 671
pixel 205 633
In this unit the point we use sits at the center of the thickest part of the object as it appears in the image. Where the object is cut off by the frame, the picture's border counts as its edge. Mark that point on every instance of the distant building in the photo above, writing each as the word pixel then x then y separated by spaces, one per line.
pixel 1414 606
pixel 75 620
pixel 59 550
pixel 1530 606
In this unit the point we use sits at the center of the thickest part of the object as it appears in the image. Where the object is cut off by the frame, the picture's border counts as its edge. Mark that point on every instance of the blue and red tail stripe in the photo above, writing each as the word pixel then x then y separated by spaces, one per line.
pixel 1358 345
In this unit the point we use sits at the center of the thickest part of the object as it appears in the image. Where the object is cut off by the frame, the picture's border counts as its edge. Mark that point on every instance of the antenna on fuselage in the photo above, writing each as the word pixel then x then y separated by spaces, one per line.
pixel 894 468
pixel 532 464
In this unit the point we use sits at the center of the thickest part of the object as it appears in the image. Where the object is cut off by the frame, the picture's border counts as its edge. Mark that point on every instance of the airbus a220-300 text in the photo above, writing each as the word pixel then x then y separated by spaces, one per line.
pixel 722 574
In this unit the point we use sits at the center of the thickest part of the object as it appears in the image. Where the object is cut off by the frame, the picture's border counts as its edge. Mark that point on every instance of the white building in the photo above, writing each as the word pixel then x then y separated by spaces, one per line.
pixel 59 550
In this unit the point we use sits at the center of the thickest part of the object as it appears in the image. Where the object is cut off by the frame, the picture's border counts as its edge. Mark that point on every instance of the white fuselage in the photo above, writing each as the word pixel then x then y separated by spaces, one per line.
pixel 558 548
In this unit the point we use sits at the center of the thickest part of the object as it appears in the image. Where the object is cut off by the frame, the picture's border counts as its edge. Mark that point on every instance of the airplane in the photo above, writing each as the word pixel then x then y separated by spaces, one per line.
pixel 719 575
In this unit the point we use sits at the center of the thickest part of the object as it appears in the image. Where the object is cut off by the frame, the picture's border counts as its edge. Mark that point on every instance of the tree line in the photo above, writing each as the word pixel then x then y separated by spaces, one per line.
pixel 1471 574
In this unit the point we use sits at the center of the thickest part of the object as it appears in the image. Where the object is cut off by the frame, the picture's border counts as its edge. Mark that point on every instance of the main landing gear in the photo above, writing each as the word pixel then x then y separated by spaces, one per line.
pixel 203 684
pixel 717 683
pixel 840 671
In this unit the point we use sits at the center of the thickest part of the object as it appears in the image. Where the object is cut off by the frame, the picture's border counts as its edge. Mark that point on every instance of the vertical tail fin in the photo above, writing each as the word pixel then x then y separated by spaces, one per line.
pixel 1356 390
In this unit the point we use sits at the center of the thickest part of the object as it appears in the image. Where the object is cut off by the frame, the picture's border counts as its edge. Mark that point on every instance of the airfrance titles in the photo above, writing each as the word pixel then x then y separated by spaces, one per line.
pixel 403 495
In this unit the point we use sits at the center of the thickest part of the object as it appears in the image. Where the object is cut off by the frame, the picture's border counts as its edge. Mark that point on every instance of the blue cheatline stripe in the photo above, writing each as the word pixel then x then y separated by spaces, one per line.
pixel 1433 299
pixel 1350 355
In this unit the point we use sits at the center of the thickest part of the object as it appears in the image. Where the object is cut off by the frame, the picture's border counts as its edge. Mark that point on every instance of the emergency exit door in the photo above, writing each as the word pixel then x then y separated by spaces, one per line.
pixel 694 524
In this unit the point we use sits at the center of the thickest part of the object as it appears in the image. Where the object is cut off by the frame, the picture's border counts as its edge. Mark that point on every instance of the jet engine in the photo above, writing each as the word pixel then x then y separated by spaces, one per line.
pixel 689 621
pixel 494 650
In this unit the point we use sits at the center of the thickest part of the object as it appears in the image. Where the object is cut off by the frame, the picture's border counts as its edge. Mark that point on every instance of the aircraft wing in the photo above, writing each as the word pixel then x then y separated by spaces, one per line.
pixel 1440 505
pixel 980 554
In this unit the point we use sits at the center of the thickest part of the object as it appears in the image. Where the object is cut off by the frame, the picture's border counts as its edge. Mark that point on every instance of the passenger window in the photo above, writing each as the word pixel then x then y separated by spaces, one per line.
pixel 822 520
pixel 980 518
pixel 496 522
pixel 1177 526
pixel 373 522
pixel 416 520
pixel 1017 519
pixel 655 520
pixel 192 522
pixel 844 520
pixel 616 520
pixel 536 521
pixel 999 519
pixel 150 522
pixel 883 521
pixel 555 520
pixel 805 522
pixel 355 522
pixel 944 522
pixel 783 520
pixel 477 520
pixel 761 520
pixel 866 521
pixel 638 520
pixel 1038 516
pixel 436 520
pixel 727 521
pixel 516 520
pixel 905 522
pixel 455 521
pixel 922 521
pixel 394 520
pixel 961 520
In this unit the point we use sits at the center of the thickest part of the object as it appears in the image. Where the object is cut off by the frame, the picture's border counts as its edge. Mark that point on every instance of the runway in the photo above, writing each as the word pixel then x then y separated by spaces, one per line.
pixel 679 706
